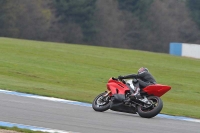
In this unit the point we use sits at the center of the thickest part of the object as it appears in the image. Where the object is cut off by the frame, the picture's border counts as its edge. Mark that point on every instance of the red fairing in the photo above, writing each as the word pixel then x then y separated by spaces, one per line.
pixel 157 89
pixel 116 87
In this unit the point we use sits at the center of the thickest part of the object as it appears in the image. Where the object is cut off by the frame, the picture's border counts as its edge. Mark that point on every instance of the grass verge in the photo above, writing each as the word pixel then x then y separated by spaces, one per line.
pixel 80 72
pixel 16 130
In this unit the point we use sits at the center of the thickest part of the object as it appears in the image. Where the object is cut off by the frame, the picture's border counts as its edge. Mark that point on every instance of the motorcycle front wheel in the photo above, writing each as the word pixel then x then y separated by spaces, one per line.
pixel 153 110
pixel 101 102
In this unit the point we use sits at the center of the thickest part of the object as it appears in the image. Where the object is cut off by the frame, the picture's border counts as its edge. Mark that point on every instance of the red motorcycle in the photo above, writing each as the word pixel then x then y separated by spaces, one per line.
pixel 148 106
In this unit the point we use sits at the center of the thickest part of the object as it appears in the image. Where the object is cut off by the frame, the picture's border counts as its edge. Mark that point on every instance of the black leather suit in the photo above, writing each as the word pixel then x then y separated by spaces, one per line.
pixel 143 79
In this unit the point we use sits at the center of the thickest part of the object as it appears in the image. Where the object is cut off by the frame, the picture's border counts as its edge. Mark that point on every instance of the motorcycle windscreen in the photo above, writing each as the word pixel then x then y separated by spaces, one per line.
pixel 157 89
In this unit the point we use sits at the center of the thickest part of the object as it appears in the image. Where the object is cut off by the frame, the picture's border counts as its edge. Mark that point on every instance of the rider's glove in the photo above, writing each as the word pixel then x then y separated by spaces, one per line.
pixel 120 77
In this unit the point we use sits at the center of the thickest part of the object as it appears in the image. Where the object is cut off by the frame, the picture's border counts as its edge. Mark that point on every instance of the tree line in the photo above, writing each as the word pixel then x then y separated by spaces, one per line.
pixel 134 24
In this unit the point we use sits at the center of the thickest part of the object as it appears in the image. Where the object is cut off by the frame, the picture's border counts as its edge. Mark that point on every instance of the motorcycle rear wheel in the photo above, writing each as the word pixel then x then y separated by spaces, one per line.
pixel 153 110
pixel 101 103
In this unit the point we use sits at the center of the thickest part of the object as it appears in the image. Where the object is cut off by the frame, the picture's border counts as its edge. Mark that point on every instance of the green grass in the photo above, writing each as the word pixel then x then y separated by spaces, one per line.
pixel 80 72
pixel 20 130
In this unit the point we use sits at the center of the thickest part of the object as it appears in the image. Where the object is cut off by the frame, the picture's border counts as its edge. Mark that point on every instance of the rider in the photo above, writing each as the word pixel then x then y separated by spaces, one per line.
pixel 141 80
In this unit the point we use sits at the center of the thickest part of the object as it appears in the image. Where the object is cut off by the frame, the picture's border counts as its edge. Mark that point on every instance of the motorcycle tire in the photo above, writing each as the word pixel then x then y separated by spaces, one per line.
pixel 99 105
pixel 153 110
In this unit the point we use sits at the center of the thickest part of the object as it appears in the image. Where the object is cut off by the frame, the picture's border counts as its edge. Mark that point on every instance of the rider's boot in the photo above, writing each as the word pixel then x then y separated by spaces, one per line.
pixel 136 95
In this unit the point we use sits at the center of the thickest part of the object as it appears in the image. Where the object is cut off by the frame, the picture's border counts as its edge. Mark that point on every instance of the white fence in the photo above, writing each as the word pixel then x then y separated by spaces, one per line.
pixel 184 49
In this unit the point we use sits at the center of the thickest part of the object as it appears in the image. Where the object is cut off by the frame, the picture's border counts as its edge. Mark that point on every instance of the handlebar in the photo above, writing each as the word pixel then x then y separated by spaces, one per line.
pixel 115 78
pixel 123 81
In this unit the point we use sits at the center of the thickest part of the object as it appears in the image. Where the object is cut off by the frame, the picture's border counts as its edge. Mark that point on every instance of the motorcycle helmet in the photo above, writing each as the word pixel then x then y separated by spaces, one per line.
pixel 142 69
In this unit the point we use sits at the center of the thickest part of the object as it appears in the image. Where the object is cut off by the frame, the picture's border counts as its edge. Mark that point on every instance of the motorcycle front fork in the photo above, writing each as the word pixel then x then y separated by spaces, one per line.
pixel 107 93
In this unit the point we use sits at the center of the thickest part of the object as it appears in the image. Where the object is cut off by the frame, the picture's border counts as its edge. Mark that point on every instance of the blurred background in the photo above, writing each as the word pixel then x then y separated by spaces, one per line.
pixel 148 25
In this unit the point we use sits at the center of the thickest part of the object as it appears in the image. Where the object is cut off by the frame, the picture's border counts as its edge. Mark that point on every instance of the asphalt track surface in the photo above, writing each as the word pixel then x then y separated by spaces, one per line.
pixel 82 119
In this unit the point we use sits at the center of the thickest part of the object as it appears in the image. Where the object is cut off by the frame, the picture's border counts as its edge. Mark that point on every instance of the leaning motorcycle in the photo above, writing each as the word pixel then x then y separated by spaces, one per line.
pixel 148 106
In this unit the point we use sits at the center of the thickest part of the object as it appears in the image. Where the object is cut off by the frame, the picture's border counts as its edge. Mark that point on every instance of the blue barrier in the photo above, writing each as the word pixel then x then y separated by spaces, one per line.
pixel 176 49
